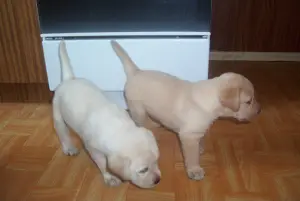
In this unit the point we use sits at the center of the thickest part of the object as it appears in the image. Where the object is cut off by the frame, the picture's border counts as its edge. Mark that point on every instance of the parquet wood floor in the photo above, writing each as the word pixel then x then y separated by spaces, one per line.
pixel 259 161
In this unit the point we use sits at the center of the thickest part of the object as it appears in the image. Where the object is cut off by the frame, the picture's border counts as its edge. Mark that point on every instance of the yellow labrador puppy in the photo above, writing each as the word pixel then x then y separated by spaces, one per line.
pixel 185 107
pixel 109 135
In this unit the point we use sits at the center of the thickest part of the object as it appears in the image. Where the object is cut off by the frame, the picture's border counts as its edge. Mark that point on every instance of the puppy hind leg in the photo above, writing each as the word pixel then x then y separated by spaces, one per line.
pixel 101 162
pixel 63 134
pixel 140 116
pixel 152 124
pixel 137 113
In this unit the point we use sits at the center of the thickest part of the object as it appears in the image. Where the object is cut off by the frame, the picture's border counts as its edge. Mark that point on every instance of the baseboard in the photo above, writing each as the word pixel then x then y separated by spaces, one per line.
pixel 25 92
pixel 255 56
pixel 40 93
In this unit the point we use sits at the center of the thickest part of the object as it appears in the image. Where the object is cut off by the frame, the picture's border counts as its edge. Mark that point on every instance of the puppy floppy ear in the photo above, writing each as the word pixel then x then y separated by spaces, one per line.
pixel 120 166
pixel 230 97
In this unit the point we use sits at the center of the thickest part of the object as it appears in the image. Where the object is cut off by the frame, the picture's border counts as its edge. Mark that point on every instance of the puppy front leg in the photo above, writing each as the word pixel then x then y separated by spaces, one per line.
pixel 190 143
pixel 101 162
pixel 201 145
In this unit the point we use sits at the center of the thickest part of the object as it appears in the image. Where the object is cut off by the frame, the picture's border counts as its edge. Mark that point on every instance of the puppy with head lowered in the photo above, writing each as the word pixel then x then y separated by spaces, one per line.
pixel 188 108
pixel 121 150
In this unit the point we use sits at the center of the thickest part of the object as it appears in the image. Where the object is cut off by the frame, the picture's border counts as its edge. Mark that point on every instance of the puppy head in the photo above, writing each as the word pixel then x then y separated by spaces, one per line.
pixel 237 97
pixel 139 164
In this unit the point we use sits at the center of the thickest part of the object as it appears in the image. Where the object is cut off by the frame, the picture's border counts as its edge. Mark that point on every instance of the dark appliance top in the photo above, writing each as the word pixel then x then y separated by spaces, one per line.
pixel 78 16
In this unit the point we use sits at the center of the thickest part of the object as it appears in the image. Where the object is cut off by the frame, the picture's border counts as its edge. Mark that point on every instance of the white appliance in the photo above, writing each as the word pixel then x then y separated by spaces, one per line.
pixel 172 36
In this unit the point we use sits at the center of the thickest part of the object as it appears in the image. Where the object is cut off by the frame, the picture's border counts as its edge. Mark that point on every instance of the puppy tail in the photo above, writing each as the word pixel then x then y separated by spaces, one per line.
pixel 65 64
pixel 130 67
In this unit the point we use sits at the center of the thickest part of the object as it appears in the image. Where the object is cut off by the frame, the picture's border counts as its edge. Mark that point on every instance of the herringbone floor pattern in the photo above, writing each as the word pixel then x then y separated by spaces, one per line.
pixel 259 161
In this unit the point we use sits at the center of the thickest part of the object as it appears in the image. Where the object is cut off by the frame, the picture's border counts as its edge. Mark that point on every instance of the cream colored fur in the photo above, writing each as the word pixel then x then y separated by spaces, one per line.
pixel 187 108
pixel 107 131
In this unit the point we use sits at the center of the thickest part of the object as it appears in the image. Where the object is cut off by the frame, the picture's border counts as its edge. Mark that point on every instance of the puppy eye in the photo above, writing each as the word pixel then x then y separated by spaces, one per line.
pixel 144 170
pixel 249 102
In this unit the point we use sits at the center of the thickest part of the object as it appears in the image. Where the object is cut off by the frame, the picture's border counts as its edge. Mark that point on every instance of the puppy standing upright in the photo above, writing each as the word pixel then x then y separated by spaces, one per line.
pixel 185 107
pixel 108 133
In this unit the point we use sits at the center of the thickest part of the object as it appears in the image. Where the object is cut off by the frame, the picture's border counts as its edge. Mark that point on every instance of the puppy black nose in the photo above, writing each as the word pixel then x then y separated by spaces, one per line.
pixel 157 180
pixel 259 111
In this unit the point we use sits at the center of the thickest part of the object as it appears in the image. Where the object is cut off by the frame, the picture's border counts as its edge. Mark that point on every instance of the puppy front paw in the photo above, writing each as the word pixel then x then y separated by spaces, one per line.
pixel 70 151
pixel 196 173
pixel 111 180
